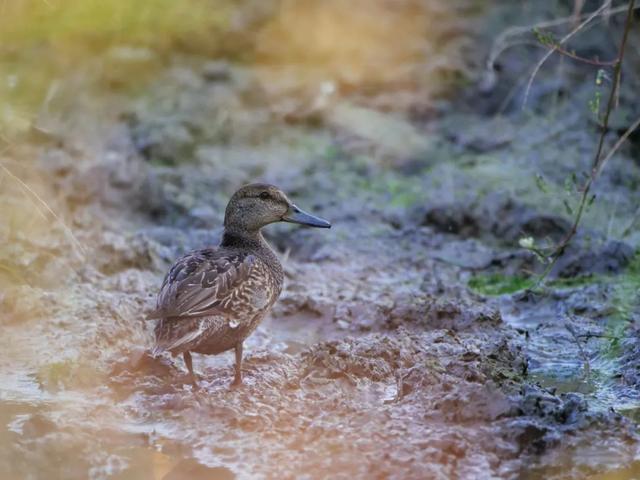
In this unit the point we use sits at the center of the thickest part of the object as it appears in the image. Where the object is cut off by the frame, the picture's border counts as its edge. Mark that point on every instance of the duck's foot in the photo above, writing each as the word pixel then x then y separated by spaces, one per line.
pixel 192 376
pixel 237 382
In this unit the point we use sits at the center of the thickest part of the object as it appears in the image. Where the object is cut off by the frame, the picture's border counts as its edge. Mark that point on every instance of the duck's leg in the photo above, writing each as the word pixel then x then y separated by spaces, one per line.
pixel 189 363
pixel 238 377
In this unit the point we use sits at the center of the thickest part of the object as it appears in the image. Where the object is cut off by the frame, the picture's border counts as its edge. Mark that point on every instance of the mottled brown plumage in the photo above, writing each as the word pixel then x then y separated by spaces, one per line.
pixel 212 299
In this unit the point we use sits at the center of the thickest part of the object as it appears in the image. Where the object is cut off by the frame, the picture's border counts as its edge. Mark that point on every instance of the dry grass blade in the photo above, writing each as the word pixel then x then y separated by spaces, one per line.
pixel 78 249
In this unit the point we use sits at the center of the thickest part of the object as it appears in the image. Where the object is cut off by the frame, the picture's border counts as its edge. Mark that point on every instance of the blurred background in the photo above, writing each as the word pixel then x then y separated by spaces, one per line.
pixel 451 160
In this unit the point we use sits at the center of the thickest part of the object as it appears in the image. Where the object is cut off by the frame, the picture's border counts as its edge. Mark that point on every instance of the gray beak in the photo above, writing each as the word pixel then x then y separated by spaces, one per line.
pixel 295 215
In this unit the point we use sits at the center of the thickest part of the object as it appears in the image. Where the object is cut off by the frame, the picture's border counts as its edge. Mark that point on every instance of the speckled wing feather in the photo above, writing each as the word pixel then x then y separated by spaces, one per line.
pixel 205 292
pixel 201 283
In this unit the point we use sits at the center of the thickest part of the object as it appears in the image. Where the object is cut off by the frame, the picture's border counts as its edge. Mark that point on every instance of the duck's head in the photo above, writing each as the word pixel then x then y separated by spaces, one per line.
pixel 259 204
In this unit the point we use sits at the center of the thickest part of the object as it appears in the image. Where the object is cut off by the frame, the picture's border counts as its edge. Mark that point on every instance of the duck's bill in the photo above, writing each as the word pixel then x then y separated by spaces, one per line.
pixel 295 215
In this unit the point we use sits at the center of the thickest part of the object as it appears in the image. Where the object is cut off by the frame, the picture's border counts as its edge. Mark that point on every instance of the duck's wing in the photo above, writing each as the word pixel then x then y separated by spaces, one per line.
pixel 204 283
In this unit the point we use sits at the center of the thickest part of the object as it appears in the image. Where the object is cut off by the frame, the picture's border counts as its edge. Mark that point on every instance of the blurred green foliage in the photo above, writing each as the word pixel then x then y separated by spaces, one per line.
pixel 116 43
pixel 498 284
pixel 95 22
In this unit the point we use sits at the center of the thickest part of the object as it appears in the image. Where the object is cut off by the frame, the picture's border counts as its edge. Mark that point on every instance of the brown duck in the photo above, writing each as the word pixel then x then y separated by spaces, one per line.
pixel 212 299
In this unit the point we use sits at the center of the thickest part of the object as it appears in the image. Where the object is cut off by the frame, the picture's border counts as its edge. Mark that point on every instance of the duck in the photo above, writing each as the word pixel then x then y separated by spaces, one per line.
pixel 213 298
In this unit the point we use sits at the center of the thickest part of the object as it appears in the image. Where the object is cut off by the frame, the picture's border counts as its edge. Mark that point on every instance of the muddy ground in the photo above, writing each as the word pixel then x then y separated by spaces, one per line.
pixel 405 343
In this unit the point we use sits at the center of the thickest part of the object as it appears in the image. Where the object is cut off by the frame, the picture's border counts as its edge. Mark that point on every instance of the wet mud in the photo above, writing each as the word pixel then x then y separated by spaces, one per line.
pixel 405 343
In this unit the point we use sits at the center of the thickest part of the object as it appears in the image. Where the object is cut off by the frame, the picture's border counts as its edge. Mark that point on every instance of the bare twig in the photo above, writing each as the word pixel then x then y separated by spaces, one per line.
pixel 501 44
pixel 512 91
pixel 556 46
pixel 583 354
pixel 598 161
pixel 634 126
pixel 634 219
pixel 590 61
pixel 601 335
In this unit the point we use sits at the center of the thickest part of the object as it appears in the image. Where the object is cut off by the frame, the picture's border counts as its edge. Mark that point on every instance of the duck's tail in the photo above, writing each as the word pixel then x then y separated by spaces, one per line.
pixel 157 350
pixel 177 338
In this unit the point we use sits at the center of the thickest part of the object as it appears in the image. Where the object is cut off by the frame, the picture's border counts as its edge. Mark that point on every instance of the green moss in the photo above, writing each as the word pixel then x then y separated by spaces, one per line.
pixel 625 299
pixel 573 282
pixel 624 302
pixel 498 284
pixel 396 190
pixel 403 191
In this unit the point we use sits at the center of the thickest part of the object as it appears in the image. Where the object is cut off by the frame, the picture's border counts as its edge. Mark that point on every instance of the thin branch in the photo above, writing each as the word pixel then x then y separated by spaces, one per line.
pixel 561 42
pixel 634 126
pixel 500 45
pixel 598 160
pixel 634 219
pixel 583 354
pixel 590 61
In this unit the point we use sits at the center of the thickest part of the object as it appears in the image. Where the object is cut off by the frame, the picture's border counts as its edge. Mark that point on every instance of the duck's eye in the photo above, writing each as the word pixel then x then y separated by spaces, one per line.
pixel 264 195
